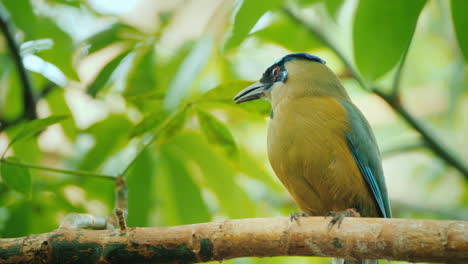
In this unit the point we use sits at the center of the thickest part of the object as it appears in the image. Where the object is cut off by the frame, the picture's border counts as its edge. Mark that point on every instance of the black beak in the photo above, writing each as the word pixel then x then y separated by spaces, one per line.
pixel 252 92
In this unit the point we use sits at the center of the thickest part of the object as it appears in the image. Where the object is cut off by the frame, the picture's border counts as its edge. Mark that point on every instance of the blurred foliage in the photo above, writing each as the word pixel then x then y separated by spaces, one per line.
pixel 116 94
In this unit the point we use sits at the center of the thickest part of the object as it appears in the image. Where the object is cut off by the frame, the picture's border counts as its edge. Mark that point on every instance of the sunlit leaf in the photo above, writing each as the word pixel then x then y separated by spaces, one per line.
pixel 188 71
pixel 246 18
pixel 382 33
pixel 115 33
pixel 35 126
pixel 104 75
pixel 216 132
pixel 181 199
pixel 287 34
pixel 460 22
pixel 17 177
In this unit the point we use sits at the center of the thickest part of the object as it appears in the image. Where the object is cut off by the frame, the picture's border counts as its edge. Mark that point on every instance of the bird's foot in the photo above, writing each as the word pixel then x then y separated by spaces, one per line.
pixel 294 216
pixel 337 217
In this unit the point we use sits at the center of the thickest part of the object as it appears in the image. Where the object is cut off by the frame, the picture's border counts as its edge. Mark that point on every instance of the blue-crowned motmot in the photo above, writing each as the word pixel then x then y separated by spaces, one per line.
pixel 319 144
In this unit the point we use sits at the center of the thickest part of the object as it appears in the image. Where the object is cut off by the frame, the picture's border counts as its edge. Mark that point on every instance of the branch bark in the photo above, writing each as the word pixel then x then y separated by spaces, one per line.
pixel 357 238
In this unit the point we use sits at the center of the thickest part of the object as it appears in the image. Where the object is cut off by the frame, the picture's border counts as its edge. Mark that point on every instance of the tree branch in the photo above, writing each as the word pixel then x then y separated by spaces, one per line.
pixel 28 93
pixel 357 238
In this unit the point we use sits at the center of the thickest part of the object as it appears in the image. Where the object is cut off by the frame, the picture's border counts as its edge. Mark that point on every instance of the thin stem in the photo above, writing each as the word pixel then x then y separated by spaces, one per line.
pixel 28 95
pixel 72 172
pixel 398 74
pixel 321 36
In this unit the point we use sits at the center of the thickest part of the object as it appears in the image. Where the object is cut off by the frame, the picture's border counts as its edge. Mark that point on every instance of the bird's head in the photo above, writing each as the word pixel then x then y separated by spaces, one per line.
pixel 294 75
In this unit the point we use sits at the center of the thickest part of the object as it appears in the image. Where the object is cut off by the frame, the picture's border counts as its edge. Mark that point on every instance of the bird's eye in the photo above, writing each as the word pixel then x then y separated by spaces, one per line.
pixel 275 72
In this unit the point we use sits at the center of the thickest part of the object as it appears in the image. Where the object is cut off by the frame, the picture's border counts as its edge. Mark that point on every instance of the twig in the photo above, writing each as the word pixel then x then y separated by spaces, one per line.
pixel 358 238
pixel 393 100
pixel 71 172
pixel 120 215
pixel 28 92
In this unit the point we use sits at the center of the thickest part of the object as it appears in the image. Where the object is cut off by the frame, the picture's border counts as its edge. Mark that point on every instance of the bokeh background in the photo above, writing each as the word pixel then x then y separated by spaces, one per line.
pixel 142 89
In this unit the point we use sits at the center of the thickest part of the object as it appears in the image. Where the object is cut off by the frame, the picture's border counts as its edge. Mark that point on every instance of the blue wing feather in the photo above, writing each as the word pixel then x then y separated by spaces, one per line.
pixel 363 147
pixel 369 178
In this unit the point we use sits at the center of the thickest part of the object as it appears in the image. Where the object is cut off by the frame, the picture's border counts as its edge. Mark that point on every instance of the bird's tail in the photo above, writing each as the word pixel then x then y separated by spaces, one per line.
pixel 347 261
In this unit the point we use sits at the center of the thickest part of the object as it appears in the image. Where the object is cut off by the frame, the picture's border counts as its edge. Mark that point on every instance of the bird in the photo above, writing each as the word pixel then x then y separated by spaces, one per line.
pixel 320 145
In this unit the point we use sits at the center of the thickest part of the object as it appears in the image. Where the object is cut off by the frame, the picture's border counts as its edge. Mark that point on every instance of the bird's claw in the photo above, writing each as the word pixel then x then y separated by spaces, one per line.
pixel 337 217
pixel 294 216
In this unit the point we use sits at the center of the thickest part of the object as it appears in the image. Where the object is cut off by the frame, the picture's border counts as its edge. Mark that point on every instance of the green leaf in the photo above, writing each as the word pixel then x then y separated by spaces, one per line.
pixel 17 177
pixel 19 220
pixel 141 77
pixel 116 32
pixel 382 34
pixel 460 22
pixel 149 122
pixel 58 106
pixel 140 178
pixel 287 34
pixel 180 198
pixel 110 135
pixel 217 175
pixel 225 92
pixel 250 166
pixel 188 71
pixel 333 6
pixel 217 133
pixel 105 74
pixel 174 124
pixel 35 126
pixel 246 18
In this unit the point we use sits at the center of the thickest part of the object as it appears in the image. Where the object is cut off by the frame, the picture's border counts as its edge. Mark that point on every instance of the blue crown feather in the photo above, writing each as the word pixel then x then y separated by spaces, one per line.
pixel 299 56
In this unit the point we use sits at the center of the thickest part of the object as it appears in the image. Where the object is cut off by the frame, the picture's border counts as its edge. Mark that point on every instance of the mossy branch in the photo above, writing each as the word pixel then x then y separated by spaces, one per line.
pixel 357 238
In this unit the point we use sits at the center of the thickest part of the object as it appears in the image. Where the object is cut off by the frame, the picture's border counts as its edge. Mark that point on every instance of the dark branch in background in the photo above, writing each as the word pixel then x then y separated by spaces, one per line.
pixel 28 93
pixel 415 146
pixel 393 99
pixel 430 139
